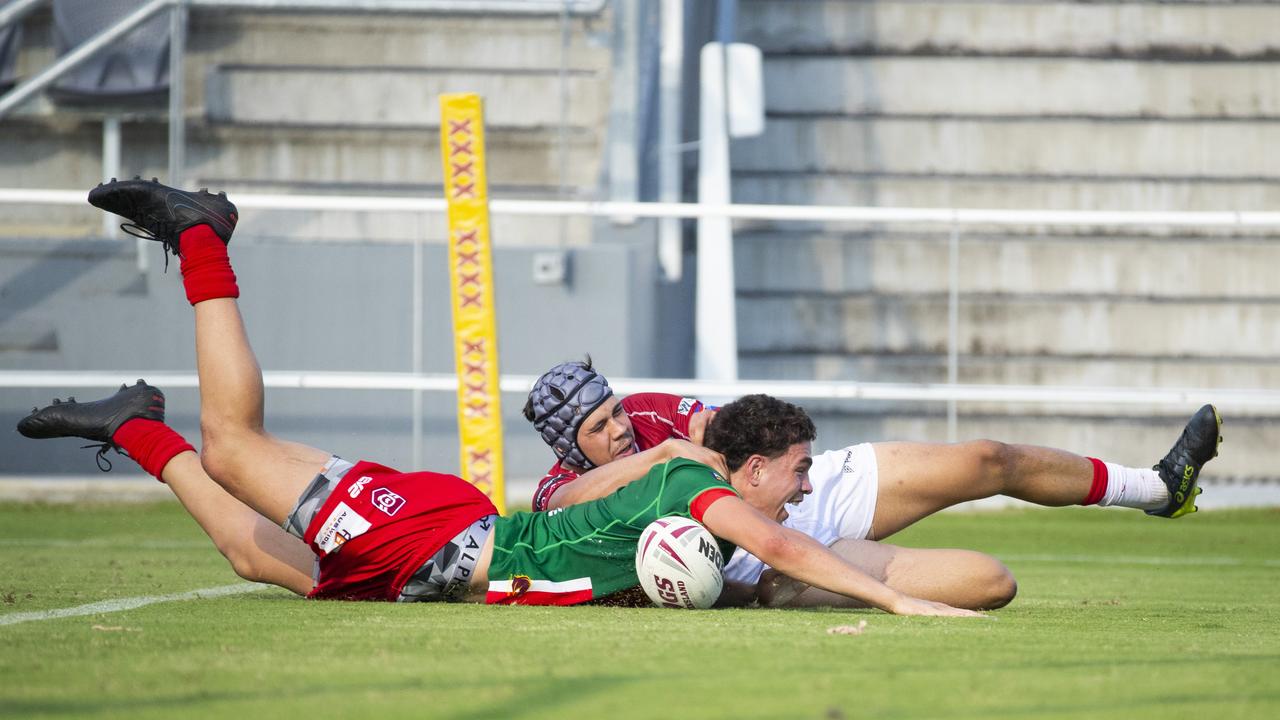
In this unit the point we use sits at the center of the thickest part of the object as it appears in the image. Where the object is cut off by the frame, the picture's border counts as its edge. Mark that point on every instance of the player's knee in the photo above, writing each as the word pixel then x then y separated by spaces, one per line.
pixel 243 559
pixel 215 454
pixel 995 461
pixel 221 454
pixel 1001 587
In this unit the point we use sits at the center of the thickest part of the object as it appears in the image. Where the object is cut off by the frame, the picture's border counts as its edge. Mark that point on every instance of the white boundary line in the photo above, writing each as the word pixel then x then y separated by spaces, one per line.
pixel 109 606
pixel 100 543
pixel 1141 560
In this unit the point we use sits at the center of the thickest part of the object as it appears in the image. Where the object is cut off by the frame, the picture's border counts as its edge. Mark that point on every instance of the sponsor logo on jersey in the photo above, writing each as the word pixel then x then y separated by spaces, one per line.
pixel 358 486
pixel 686 405
pixel 342 525
pixel 848 463
pixel 386 501
pixel 554 512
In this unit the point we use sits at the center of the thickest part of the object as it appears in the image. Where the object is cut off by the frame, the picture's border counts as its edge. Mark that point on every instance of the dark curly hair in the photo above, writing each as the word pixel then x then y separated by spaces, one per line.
pixel 757 425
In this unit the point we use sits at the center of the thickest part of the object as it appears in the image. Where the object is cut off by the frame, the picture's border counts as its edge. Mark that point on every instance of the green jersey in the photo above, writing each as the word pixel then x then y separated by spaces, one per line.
pixel 585 552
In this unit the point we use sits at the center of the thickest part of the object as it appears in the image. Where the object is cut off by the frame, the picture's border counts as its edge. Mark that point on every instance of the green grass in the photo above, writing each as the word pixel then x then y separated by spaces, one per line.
pixel 1102 627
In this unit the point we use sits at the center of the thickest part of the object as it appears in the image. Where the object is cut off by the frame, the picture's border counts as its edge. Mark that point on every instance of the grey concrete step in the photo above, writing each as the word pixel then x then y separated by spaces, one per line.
pixel 1085 148
pixel 69 154
pixel 1021 87
pixel 521 163
pixel 1168 30
pixel 402 97
pixel 1009 192
pixel 1137 370
pixel 511 42
pixel 1064 325
pixel 518 161
pixel 900 261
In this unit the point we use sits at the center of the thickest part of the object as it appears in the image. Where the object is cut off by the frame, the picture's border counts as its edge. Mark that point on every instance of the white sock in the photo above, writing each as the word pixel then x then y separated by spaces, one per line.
pixel 1134 487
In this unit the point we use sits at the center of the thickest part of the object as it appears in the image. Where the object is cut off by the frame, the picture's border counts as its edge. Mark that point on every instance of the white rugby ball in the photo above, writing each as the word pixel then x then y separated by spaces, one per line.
pixel 679 564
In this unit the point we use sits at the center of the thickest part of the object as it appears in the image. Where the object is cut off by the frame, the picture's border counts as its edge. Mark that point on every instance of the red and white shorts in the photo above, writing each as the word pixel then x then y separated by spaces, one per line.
pixel 378 532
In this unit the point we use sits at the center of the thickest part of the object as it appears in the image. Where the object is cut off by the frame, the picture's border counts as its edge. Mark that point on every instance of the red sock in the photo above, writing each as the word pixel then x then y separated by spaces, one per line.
pixel 206 269
pixel 1099 487
pixel 151 443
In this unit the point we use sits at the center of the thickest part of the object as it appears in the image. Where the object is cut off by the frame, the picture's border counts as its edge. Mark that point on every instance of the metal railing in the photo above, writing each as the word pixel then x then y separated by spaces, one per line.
pixel 954 218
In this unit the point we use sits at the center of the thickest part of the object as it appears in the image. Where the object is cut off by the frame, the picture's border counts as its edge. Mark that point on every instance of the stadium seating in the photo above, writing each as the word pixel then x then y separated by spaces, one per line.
pixel 10 37
pixel 135 68
pixel 1082 106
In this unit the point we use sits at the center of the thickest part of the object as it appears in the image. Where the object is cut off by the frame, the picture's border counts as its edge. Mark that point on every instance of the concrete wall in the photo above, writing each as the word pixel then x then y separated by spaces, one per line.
pixel 83 305
pixel 1028 105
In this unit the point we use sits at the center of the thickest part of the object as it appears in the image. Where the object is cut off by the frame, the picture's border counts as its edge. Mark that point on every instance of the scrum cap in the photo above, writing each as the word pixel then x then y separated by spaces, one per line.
pixel 561 399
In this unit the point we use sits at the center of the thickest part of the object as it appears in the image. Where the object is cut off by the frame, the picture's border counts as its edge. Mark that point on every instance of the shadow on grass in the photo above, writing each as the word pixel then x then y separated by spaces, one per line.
pixel 534 695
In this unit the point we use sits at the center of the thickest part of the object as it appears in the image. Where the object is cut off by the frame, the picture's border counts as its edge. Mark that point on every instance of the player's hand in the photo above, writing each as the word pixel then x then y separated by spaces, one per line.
pixel 675 448
pixel 915 606
pixel 698 425
pixel 776 590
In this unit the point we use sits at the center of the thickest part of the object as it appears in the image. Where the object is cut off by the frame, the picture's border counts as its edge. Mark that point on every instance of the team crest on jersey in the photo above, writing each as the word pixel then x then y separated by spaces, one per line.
pixel 386 501
pixel 686 405
pixel 342 525
pixel 520 585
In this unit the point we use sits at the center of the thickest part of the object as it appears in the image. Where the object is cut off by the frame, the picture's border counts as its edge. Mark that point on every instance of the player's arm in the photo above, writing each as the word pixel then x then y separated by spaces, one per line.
pixel 606 479
pixel 802 558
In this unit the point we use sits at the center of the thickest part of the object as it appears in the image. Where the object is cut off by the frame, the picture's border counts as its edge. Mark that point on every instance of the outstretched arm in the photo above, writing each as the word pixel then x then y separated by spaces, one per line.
pixel 801 557
pixel 606 479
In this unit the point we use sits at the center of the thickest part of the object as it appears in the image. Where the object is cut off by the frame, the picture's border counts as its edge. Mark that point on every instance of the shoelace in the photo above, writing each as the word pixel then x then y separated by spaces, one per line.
pixel 101 459
pixel 169 241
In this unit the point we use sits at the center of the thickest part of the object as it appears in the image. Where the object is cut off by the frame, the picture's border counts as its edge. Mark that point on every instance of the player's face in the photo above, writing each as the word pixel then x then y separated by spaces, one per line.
pixel 606 434
pixel 782 480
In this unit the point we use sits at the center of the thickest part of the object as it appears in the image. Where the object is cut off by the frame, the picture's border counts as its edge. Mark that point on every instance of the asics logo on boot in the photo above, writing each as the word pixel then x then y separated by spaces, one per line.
pixel 1187 472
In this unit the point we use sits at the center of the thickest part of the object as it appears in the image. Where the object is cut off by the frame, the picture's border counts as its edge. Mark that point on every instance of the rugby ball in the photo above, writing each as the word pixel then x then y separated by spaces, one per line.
pixel 679 564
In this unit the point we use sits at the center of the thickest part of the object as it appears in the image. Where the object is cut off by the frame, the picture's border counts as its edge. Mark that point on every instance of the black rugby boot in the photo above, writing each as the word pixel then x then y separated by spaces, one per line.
pixel 96 421
pixel 159 212
pixel 1180 469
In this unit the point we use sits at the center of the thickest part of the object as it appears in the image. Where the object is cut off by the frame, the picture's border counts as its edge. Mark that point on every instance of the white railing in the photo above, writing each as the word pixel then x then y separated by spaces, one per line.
pixel 1239 399
pixel 951 392
pixel 742 211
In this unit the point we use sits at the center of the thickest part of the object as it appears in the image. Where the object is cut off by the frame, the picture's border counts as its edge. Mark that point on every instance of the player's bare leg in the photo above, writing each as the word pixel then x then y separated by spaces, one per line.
pixel 919 479
pixel 960 578
pixel 266 474
pixel 263 471
pixel 257 549
pixel 132 421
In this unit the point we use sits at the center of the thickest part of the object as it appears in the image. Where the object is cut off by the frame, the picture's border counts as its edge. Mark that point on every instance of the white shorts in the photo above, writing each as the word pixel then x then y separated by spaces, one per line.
pixel 841 506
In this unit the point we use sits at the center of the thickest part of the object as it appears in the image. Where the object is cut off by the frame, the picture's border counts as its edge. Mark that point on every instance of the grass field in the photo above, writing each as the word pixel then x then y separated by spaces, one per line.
pixel 1109 622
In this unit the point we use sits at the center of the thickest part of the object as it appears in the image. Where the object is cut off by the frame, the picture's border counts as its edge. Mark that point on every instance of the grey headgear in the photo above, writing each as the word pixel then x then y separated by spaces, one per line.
pixel 562 398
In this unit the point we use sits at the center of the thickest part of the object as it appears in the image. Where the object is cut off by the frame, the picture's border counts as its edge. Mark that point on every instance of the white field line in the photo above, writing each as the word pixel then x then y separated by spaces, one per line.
pixel 99 543
pixel 109 606
pixel 1141 560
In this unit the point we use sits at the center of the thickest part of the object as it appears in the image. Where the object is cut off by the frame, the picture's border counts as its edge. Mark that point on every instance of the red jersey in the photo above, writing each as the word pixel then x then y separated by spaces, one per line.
pixel 379 526
pixel 655 417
